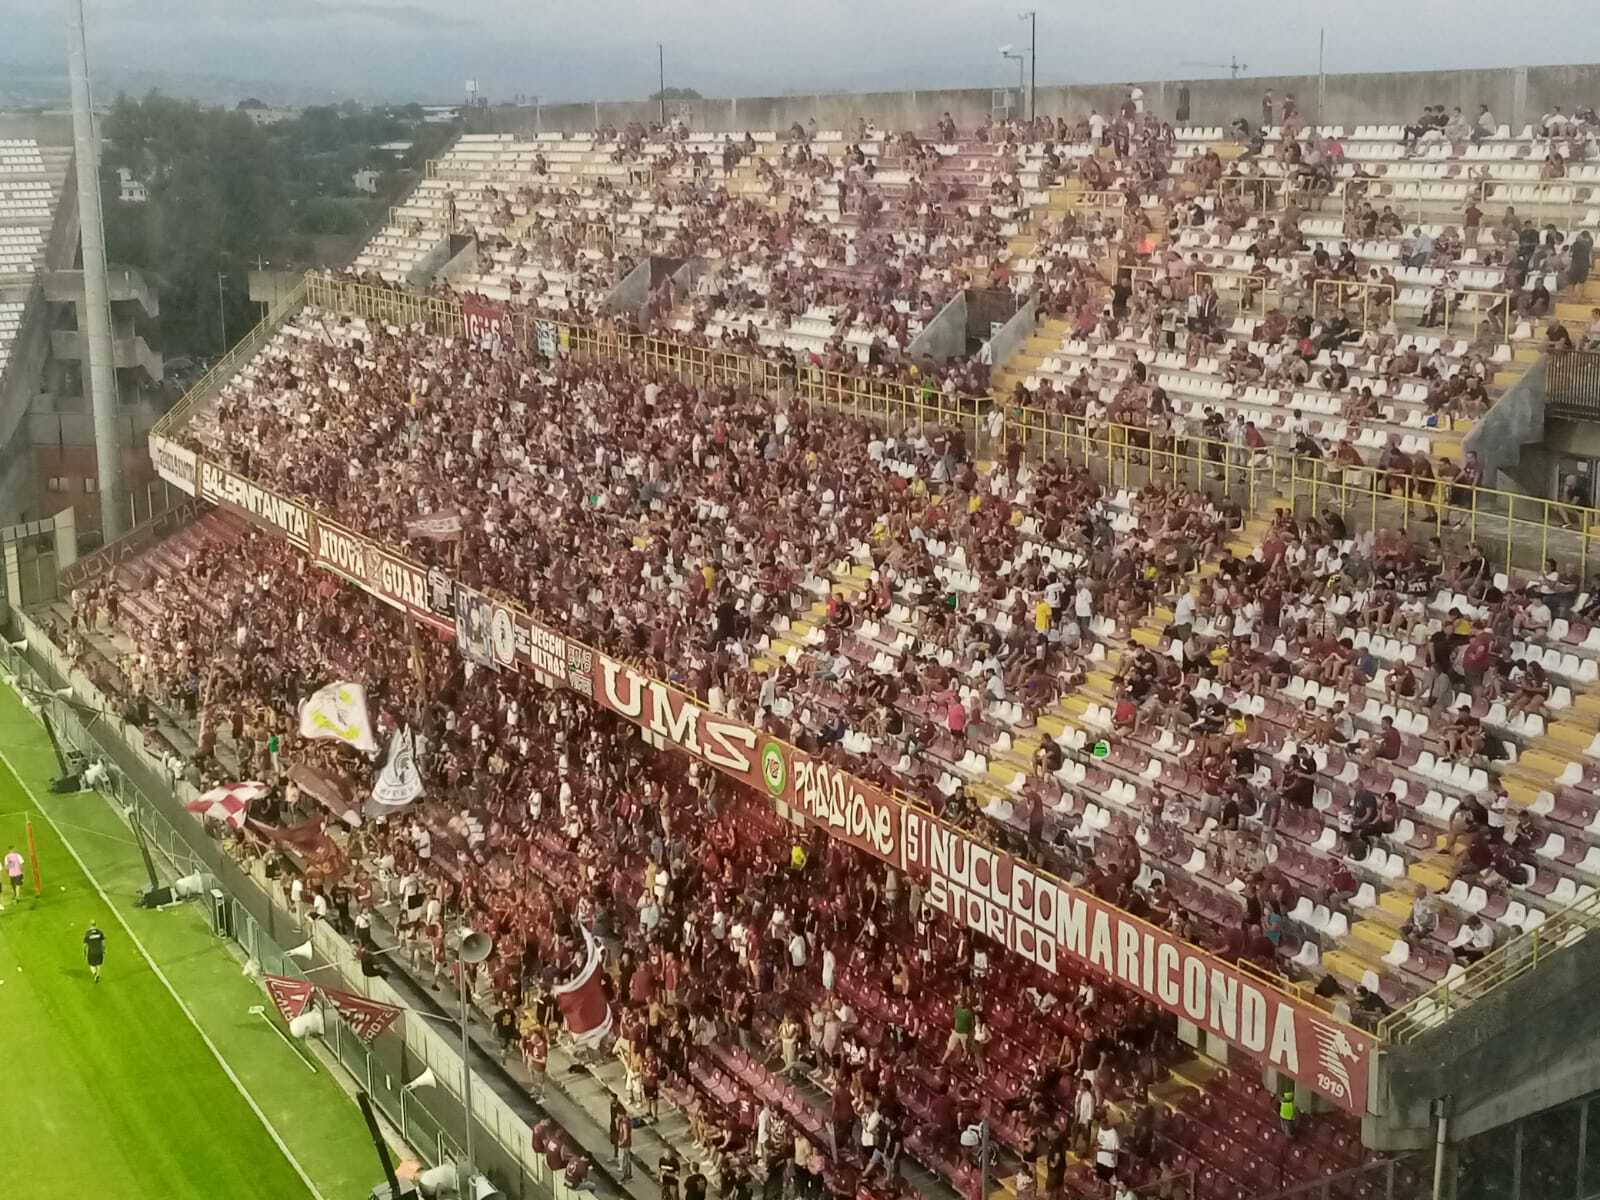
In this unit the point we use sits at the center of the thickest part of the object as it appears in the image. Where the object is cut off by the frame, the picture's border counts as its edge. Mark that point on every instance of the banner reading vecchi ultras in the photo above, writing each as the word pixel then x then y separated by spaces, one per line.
pixel 1036 915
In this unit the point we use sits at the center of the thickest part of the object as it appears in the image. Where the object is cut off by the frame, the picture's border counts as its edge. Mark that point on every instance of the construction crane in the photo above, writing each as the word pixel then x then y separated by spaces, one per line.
pixel 1233 65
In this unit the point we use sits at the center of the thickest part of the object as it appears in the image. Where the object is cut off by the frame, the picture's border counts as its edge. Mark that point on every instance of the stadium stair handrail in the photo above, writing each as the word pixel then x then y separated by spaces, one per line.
pixel 229 364
pixel 1493 971
pixel 1382 500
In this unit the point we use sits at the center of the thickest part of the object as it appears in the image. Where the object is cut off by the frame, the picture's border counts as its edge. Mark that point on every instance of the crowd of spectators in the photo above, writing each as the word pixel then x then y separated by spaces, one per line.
pixel 803 1007
pixel 1289 730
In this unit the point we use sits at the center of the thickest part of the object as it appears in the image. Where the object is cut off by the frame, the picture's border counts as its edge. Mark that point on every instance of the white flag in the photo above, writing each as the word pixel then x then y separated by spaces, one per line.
pixel 338 711
pixel 400 781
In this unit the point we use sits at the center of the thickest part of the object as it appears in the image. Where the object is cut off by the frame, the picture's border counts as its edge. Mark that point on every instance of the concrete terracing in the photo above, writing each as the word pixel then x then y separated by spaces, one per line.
pixel 1516 96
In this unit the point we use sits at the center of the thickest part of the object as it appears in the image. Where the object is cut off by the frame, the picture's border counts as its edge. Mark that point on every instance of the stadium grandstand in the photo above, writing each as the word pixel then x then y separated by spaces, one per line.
pixel 962 656
pixel 46 435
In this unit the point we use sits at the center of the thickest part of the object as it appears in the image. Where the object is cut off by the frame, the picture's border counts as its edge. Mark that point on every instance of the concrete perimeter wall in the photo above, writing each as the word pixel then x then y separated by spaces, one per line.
pixel 1516 96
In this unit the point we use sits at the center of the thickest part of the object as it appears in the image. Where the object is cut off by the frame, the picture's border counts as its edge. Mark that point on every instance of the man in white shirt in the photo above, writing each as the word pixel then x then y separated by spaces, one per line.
pixel 1183 610
pixel 1107 1146
pixel 1485 126
pixel 1472 941
pixel 1097 128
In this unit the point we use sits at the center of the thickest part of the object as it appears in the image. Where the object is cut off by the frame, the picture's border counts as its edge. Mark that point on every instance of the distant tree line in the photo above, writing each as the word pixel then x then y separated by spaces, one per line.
pixel 226 193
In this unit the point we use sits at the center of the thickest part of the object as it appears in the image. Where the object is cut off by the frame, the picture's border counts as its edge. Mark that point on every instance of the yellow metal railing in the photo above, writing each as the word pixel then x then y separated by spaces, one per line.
pixel 1493 971
pixel 230 363
pixel 1517 531
pixel 1377 299
pixel 1260 193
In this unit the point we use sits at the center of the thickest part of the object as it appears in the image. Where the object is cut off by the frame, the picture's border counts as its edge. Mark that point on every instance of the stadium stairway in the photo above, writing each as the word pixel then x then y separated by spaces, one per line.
pixel 1026 361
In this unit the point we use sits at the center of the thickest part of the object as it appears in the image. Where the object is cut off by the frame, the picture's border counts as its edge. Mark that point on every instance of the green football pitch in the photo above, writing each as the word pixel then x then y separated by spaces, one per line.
pixel 116 1088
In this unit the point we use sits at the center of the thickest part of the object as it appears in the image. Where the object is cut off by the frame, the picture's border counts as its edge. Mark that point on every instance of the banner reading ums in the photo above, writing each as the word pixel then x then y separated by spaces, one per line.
pixel 1031 913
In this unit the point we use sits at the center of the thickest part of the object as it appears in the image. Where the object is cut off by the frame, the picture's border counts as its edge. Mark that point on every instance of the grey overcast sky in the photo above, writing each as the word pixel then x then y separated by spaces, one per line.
pixel 606 48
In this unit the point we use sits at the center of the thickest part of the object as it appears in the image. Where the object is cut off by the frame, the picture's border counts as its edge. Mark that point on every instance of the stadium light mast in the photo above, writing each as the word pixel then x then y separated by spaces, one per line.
pixel 1007 52
pixel 1032 18
pixel 96 306
pixel 472 948
pixel 661 76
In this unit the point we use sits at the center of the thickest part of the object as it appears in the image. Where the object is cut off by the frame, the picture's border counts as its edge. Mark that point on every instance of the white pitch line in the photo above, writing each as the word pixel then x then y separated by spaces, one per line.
pixel 167 983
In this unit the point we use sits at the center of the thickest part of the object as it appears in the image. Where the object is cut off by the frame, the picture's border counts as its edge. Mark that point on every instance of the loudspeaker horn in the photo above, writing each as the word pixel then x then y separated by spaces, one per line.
pixel 443 1180
pixel 307 1024
pixel 482 1189
pixel 301 953
pixel 189 885
pixel 426 1080
pixel 474 947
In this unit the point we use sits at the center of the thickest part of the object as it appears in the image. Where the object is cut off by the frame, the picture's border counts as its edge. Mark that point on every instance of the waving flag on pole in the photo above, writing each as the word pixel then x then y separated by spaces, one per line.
pixel 583 1001
pixel 339 711
pixel 400 781
pixel 292 996
pixel 366 1018
pixel 229 803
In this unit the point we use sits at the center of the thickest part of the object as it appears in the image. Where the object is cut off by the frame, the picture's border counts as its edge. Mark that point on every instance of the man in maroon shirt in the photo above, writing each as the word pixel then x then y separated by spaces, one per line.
pixel 1385 744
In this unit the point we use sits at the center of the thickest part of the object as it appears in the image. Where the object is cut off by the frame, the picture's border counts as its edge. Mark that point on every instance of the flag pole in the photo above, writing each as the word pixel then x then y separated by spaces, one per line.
pixel 33 857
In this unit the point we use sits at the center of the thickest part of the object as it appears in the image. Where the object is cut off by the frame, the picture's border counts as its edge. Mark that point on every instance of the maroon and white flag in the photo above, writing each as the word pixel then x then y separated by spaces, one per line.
pixel 292 996
pixel 583 1001
pixel 481 316
pixel 366 1018
pixel 439 525
pixel 230 803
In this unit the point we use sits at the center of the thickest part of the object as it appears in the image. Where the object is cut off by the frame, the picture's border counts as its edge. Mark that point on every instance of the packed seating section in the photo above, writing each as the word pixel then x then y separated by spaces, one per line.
pixel 1360 761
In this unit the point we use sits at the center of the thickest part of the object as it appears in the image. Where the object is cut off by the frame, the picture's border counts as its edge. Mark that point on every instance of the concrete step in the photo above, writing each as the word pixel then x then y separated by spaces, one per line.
pixel 1351 962
pixel 1393 906
pixel 1541 763
pixel 1374 938
pixel 1569 734
pixel 1429 876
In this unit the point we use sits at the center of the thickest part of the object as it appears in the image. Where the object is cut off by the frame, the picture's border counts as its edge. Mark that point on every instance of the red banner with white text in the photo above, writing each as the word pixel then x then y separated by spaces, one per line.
pixel 1029 912
pixel 481 317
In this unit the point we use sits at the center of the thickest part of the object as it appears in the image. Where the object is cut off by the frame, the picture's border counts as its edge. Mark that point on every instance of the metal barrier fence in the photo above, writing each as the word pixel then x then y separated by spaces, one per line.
pixel 261 923
pixel 1521 531
pixel 1407 1177
pixel 1572 384
pixel 1493 971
